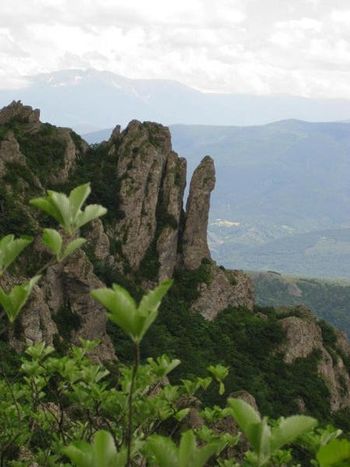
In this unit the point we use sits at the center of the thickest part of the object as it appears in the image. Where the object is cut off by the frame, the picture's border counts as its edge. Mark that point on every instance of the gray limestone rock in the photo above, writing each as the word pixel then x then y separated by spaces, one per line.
pixel 70 155
pixel 142 156
pixel 171 201
pixel 98 240
pixel 303 336
pixel 22 113
pixel 225 288
pixel 195 244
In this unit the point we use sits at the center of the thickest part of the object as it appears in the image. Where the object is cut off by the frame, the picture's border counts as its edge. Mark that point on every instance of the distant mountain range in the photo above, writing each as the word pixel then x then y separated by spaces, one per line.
pixel 89 100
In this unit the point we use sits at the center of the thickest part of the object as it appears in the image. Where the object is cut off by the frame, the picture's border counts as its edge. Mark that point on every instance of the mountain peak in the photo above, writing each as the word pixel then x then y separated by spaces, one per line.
pixel 17 111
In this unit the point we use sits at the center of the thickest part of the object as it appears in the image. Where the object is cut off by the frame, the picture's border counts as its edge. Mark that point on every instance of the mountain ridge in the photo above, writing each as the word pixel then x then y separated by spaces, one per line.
pixel 95 102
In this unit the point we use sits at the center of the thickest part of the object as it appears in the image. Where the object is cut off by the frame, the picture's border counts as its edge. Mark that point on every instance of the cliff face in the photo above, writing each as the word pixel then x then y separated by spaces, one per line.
pixel 147 236
pixel 304 337
pixel 60 309
pixel 150 238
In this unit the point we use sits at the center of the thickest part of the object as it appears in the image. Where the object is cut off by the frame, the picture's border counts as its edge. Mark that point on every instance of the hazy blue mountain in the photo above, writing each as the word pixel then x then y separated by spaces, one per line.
pixel 282 194
pixel 91 100
pixel 289 173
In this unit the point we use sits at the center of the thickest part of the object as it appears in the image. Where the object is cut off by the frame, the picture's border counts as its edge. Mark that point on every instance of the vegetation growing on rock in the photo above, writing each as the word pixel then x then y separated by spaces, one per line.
pixel 250 341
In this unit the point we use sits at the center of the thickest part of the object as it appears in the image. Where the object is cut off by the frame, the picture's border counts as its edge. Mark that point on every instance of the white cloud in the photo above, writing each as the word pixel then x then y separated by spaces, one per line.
pixel 245 46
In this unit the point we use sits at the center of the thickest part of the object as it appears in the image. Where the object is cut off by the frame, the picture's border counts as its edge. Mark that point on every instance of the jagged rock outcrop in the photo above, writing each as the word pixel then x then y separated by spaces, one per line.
pixel 61 308
pixel 194 242
pixel 22 113
pixel 169 214
pixel 77 280
pixel 64 288
pixel 98 240
pixel 151 226
pixel 225 288
pixel 303 337
pixel 142 156
pixel 10 152
pixel 71 152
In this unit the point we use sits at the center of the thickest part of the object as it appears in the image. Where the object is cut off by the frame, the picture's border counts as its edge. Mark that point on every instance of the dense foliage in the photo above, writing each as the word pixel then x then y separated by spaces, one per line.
pixel 67 408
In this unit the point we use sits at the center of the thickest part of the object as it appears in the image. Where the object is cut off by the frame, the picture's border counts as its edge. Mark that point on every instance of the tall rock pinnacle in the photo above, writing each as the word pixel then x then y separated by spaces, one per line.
pixel 195 244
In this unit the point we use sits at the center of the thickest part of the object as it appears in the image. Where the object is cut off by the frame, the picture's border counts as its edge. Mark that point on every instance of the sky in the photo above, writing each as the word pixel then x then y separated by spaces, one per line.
pixel 295 47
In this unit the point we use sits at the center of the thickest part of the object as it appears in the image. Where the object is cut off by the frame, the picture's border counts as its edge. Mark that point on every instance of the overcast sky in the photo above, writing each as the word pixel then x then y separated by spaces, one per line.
pixel 299 47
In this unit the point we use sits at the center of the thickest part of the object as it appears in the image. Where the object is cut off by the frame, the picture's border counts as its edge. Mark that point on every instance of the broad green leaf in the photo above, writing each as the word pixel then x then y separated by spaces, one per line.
pixel 46 205
pixel 335 454
pixel 289 429
pixel 163 365
pixel 10 248
pixel 14 301
pixel 134 320
pixel 187 449
pixel 181 414
pixel 39 350
pixel 104 450
pixel 147 311
pixel 53 240
pixel 153 298
pixel 61 202
pixel 143 322
pixel 67 210
pixel 203 454
pixel 121 307
pixel 91 212
pixel 219 372
pixel 164 450
pixel 77 197
pixel 80 453
pixel 259 436
pixel 244 415
pixel 72 246
pixel 6 240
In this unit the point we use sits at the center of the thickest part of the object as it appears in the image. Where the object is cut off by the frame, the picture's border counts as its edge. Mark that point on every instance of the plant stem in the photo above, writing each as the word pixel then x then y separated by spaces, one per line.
pixel 130 401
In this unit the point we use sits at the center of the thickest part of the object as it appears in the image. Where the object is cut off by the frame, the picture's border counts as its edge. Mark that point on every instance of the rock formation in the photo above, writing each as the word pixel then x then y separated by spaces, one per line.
pixel 22 114
pixel 195 244
pixel 225 289
pixel 169 214
pixel 148 236
pixel 303 337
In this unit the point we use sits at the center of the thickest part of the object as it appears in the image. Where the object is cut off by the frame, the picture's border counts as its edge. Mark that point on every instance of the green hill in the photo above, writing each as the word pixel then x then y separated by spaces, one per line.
pixel 329 299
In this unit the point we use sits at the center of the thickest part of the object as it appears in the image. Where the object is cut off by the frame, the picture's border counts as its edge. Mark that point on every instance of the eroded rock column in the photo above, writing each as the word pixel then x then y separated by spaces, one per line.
pixel 195 243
